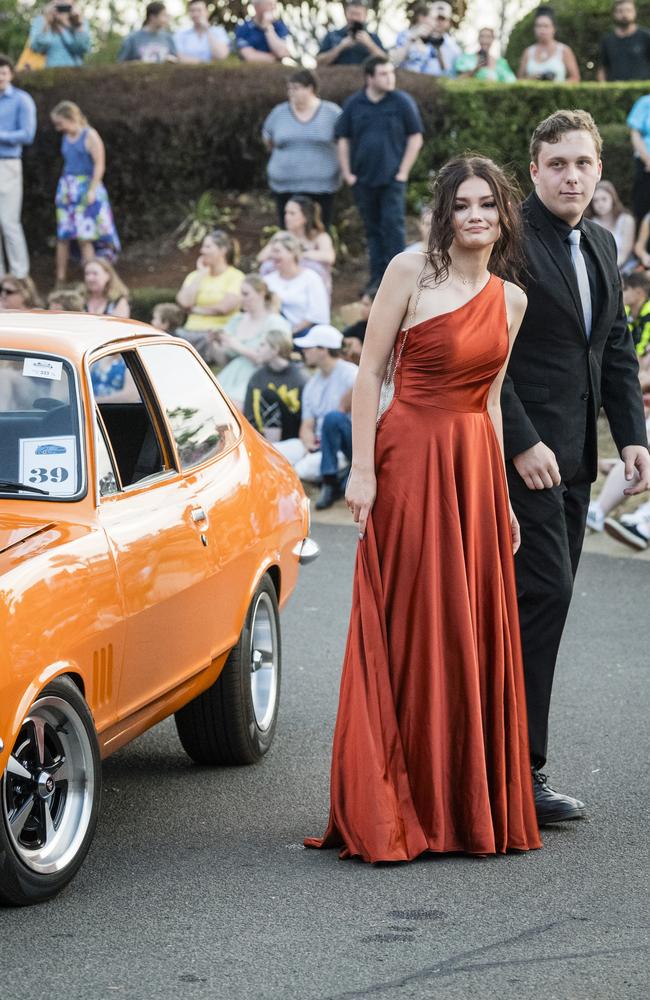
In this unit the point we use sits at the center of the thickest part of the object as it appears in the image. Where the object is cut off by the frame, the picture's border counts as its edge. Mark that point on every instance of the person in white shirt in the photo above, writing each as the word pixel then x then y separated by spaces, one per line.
pixel 303 297
pixel 203 42
pixel 324 393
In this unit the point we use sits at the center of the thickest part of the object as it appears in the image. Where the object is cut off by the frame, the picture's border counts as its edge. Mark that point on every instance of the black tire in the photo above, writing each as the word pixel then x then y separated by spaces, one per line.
pixel 227 724
pixel 55 765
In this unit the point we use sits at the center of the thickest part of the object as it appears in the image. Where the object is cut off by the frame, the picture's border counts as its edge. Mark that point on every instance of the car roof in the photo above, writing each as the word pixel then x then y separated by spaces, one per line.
pixel 68 334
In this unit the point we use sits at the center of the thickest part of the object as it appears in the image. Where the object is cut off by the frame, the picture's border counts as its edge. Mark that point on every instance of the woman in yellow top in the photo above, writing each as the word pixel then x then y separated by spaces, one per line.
pixel 211 294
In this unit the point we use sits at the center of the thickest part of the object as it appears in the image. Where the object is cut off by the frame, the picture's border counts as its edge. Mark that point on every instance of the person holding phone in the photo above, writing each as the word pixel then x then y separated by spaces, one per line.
pixel 353 43
pixel 484 65
pixel 60 34
pixel 427 46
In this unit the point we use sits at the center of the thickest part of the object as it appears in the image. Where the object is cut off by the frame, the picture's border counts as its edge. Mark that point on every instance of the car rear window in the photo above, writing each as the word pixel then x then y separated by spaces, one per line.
pixel 201 422
pixel 40 438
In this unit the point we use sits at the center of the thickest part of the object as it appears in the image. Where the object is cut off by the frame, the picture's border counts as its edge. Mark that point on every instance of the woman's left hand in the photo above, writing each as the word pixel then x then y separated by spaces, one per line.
pixel 515 533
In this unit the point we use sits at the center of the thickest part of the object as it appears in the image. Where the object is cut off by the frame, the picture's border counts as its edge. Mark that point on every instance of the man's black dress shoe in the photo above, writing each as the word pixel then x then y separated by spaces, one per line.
pixel 551 806
pixel 329 493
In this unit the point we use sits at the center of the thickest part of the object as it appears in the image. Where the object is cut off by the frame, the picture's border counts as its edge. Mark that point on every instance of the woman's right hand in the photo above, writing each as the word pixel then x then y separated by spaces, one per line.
pixel 360 497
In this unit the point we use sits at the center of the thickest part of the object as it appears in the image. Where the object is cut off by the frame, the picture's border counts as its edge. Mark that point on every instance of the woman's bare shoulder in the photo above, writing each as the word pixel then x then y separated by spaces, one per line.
pixel 407 264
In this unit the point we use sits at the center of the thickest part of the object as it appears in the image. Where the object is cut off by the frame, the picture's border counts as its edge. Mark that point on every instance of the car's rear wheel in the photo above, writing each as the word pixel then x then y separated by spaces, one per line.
pixel 50 793
pixel 233 722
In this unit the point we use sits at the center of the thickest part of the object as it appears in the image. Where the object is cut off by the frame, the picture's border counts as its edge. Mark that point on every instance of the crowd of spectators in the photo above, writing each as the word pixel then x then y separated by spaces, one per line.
pixel 264 330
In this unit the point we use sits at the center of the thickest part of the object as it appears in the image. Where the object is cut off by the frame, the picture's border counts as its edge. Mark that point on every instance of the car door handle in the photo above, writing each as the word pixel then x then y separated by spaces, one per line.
pixel 198 514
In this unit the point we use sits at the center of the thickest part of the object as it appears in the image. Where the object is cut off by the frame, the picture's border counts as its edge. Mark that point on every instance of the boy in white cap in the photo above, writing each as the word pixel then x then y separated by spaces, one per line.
pixel 322 394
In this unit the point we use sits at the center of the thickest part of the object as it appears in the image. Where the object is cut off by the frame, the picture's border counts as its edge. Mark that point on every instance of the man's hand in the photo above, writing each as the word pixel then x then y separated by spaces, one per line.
pixel 401 176
pixel 637 467
pixel 350 179
pixel 538 467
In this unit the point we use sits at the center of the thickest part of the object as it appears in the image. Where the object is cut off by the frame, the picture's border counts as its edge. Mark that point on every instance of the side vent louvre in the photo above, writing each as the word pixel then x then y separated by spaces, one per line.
pixel 103 675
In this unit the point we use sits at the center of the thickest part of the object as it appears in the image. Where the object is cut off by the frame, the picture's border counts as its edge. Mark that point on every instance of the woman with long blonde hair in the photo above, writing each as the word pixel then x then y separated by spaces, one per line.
pixel 104 291
pixel 83 210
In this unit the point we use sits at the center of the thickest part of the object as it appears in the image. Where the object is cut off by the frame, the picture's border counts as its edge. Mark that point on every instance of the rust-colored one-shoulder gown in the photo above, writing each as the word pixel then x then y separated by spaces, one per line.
pixel 430 747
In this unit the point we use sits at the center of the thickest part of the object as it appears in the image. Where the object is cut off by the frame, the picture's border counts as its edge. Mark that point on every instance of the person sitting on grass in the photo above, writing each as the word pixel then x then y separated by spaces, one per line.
pixel 104 291
pixel 241 339
pixel 632 529
pixel 18 293
pixel 211 293
pixel 303 297
pixel 353 335
pixel 168 318
pixel 636 296
pixel 274 392
pixel 322 395
pixel 302 219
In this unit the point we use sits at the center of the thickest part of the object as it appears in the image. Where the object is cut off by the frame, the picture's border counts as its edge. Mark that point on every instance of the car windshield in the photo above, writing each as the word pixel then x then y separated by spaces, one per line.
pixel 40 446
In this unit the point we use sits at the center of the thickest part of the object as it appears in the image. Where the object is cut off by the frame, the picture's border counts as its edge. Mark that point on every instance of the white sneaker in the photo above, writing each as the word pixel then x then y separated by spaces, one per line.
pixel 595 517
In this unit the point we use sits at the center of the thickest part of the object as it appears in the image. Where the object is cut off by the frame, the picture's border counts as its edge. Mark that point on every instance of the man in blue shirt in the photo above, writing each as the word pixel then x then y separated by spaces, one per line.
pixel 379 137
pixel 262 38
pixel 351 45
pixel 17 129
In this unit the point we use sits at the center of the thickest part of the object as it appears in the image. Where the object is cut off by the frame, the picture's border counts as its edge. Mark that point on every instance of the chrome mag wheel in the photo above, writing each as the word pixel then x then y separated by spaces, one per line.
pixel 48 788
pixel 264 660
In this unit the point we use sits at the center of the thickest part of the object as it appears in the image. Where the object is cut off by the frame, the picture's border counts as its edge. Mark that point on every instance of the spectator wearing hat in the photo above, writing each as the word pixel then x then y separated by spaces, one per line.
pixel 625 51
pixel 262 37
pixel 352 44
pixel 322 394
pixel 17 129
pixel 153 42
pixel 202 42
pixel 379 137
pixel 426 46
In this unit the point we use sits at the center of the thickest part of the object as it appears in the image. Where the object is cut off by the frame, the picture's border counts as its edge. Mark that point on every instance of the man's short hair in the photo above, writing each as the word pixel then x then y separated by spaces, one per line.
pixel 372 62
pixel 638 279
pixel 7 61
pixel 558 124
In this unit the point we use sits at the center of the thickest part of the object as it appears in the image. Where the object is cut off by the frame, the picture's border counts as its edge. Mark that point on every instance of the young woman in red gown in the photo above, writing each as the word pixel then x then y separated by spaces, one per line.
pixel 430 747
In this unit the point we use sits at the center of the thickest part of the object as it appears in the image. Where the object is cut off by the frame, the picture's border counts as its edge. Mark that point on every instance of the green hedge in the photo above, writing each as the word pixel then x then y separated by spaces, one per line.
pixel 172 132
pixel 580 24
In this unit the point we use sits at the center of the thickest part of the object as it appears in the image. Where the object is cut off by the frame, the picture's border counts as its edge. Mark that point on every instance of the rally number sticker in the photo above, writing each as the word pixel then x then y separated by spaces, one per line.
pixel 50 464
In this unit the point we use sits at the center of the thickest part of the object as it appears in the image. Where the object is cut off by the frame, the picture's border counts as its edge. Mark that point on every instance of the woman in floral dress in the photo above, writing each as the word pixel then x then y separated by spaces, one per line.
pixel 83 211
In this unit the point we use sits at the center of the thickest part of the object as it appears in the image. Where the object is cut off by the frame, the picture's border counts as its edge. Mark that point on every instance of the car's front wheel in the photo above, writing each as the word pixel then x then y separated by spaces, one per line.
pixel 233 722
pixel 50 793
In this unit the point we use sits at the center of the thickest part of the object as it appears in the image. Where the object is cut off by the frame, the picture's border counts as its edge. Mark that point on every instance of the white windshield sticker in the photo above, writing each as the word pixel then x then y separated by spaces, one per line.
pixel 43 368
pixel 50 464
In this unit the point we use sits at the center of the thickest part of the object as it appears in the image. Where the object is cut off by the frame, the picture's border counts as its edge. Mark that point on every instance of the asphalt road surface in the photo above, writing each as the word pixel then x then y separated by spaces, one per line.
pixel 198 887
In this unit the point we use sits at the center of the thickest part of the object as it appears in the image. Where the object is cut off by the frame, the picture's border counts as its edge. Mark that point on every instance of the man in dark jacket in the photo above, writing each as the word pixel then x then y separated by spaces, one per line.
pixel 573 354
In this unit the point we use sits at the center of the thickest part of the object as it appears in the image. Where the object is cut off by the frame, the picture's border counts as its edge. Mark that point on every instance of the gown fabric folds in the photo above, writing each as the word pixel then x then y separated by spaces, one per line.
pixel 430 746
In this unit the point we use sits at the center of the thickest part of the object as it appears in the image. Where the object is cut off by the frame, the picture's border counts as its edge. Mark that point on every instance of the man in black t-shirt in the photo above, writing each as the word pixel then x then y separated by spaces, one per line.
pixel 274 393
pixel 379 137
pixel 625 51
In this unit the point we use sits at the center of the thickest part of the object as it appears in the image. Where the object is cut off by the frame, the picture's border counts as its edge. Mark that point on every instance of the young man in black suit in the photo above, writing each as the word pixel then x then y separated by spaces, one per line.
pixel 573 355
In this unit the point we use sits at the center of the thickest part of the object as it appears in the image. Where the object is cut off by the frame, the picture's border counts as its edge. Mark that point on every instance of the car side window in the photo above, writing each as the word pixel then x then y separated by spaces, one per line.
pixel 201 421
pixel 129 427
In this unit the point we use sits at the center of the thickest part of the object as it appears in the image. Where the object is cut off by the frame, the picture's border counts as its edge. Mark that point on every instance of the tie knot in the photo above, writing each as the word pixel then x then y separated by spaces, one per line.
pixel 574 237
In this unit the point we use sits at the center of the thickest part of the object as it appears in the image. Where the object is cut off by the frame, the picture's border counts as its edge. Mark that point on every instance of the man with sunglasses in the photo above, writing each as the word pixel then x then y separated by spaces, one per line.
pixel 17 129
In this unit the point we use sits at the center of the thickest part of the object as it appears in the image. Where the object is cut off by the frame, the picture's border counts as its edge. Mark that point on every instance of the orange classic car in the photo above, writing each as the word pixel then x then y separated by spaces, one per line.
pixel 148 537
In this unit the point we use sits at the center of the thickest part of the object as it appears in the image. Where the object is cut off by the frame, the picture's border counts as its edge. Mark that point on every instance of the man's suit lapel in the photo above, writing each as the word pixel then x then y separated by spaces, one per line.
pixel 556 254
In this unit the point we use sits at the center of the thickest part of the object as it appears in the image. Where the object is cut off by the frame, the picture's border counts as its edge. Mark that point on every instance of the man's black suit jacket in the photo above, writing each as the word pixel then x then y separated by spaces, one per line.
pixel 557 379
